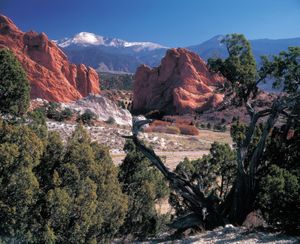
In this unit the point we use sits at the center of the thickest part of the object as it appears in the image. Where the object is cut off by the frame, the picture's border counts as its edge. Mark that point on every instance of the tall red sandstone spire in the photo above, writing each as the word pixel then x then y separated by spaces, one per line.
pixel 51 75
pixel 181 84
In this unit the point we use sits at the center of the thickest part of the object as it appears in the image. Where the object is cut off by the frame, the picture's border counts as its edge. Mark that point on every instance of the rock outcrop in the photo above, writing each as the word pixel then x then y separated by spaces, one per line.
pixel 104 108
pixel 181 84
pixel 51 75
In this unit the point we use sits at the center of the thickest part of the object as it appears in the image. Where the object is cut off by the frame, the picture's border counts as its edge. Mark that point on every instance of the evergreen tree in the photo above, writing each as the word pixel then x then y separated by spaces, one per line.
pixel 144 186
pixel 14 86
pixel 20 153
pixel 86 203
pixel 214 174
pixel 51 192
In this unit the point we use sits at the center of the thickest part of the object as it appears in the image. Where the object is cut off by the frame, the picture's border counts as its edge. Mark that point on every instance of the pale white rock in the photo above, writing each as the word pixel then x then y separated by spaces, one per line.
pixel 103 107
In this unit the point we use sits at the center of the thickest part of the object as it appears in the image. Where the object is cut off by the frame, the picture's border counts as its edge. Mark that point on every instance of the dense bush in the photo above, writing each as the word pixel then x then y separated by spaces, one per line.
pixel 88 117
pixel 214 173
pixel 53 192
pixel 279 198
pixel 144 185
pixel 38 123
pixel 279 192
pixel 14 86
pixel 54 111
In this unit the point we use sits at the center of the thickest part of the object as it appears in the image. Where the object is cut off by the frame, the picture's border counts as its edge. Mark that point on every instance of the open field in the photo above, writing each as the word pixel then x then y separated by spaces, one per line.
pixel 173 147
pixel 172 158
pixel 176 147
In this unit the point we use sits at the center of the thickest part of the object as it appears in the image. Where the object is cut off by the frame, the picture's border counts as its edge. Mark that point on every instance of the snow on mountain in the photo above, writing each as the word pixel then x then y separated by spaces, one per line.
pixel 86 39
pixel 119 56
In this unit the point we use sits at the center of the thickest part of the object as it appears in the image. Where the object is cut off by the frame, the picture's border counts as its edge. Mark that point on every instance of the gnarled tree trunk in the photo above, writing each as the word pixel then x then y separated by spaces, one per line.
pixel 207 211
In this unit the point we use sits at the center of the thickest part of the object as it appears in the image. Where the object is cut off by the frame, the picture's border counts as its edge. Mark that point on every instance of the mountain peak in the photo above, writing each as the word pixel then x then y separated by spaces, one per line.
pixel 90 39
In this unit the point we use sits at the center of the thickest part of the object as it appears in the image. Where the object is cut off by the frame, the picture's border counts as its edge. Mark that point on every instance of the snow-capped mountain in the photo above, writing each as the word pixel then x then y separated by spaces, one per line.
pixel 115 55
pixel 111 54
pixel 86 39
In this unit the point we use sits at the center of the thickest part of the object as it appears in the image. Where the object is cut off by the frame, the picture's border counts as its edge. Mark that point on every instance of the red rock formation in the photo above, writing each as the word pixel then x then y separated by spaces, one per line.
pixel 51 75
pixel 181 84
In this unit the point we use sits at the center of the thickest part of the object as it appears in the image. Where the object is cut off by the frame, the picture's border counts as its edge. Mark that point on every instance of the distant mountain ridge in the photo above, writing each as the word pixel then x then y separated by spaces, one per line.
pixel 120 56
pixel 87 39
pixel 214 48
pixel 111 54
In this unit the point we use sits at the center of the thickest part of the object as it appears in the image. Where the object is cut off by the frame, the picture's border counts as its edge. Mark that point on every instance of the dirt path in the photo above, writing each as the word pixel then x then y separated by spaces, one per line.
pixel 172 158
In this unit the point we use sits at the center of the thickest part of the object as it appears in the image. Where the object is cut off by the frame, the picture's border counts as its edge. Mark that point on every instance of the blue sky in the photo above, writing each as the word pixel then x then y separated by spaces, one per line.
pixel 168 22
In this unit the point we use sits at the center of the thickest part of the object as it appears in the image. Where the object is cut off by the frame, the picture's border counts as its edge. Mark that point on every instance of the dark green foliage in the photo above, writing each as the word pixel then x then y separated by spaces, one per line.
pixel 144 186
pixel 87 189
pixel 202 126
pixel 53 111
pixel 284 68
pixel 38 123
pixel 20 153
pixel 14 86
pixel 279 198
pixel 237 132
pixel 239 68
pixel 219 127
pixel 214 173
pixel 66 114
pixel 87 117
pixel 51 192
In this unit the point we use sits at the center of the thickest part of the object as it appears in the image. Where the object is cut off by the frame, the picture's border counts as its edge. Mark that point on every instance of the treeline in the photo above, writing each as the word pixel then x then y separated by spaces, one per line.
pixel 72 193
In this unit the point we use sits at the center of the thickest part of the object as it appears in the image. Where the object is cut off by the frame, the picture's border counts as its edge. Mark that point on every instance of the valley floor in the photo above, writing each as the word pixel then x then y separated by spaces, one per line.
pixel 174 148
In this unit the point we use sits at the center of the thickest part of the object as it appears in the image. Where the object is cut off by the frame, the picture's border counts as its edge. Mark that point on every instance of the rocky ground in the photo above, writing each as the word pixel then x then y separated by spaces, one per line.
pixel 232 235
pixel 174 148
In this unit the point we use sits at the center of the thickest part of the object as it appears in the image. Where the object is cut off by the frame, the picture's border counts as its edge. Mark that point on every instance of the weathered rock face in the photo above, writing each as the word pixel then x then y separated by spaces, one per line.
pixel 181 84
pixel 103 107
pixel 51 75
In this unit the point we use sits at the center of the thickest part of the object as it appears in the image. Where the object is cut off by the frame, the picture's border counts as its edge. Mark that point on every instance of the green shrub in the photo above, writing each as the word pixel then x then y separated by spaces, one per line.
pixel 52 192
pixel 87 117
pixel 66 114
pixel 14 85
pixel 279 198
pixel 144 185
pixel 53 111
pixel 214 173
